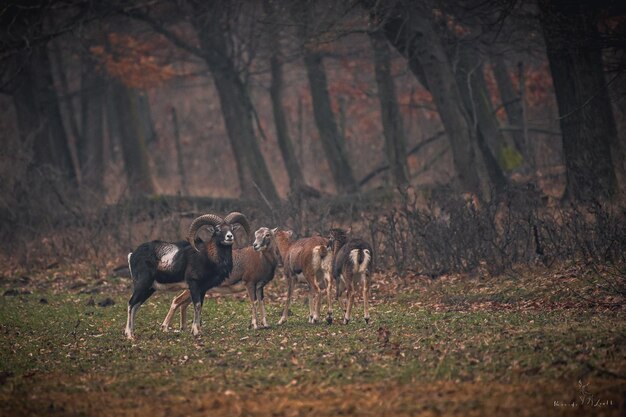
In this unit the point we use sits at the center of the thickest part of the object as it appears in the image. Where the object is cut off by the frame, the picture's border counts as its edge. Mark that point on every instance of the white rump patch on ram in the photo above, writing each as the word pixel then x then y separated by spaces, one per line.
pixel 354 259
pixel 362 266
pixel 316 261
pixel 367 257
pixel 321 262
pixel 166 254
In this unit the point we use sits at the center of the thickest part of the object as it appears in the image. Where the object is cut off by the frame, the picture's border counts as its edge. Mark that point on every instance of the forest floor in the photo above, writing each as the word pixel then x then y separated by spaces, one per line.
pixel 534 342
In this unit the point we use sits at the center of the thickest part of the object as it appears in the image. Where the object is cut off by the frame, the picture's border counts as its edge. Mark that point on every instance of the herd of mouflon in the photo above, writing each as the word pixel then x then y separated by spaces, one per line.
pixel 336 265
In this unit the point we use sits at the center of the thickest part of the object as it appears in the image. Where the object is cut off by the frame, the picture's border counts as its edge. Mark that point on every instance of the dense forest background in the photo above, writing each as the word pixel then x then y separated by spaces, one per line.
pixel 498 124
pixel 478 146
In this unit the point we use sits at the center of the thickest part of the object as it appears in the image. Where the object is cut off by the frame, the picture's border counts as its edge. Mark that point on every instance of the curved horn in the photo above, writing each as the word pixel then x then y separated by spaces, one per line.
pixel 204 220
pixel 236 217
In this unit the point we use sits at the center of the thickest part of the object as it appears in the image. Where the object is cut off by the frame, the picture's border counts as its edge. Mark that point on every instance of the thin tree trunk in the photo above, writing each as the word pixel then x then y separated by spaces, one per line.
pixel 329 133
pixel 145 114
pixel 179 155
pixel 284 142
pixel 59 140
pixel 332 142
pixel 393 23
pixel 429 50
pixel 510 100
pixel 237 113
pixel 618 149
pixel 57 59
pixel 473 89
pixel 91 143
pixel 33 127
pixel 447 97
pixel 586 117
pixel 393 129
pixel 276 92
pixel 251 166
pixel 532 155
pixel 413 35
pixel 39 116
pixel 112 122
pixel 133 140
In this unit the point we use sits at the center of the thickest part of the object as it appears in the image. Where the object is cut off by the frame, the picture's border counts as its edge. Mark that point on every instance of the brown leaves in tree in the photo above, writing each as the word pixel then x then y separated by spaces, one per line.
pixel 133 61
pixel 538 86
pixel 451 23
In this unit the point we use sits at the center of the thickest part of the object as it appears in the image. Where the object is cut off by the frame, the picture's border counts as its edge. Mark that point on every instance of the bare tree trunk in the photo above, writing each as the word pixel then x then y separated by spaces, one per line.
pixel 284 142
pixel 133 140
pixel 532 155
pixel 618 150
pixel 473 89
pixel 276 93
pixel 39 116
pixel 413 34
pixel 145 114
pixel 393 23
pixel 325 121
pixel 429 50
pixel 393 129
pixel 332 143
pixel 90 145
pixel 237 112
pixel 586 117
pixel 112 122
pixel 447 97
pixel 56 55
pixel 179 155
pixel 510 101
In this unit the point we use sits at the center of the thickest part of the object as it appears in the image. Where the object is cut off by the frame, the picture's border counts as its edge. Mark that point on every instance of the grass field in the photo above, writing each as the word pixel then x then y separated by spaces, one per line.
pixel 540 342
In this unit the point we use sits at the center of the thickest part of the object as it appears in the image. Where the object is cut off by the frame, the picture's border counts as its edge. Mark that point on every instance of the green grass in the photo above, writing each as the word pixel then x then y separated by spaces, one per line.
pixel 65 347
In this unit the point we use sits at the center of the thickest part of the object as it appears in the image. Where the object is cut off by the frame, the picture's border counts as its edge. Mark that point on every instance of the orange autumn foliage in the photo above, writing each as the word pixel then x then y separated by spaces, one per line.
pixel 133 61
pixel 451 23
pixel 538 86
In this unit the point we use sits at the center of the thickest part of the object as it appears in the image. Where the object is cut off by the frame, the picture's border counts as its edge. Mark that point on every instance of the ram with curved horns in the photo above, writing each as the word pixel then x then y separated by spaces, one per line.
pixel 192 264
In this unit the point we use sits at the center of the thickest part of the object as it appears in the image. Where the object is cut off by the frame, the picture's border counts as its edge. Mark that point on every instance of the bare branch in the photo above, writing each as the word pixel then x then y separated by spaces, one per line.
pixel 415 149
pixel 160 28
pixel 535 129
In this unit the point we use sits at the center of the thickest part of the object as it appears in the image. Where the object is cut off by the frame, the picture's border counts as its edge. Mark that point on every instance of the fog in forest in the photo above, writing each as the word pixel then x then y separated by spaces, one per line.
pixel 462 141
